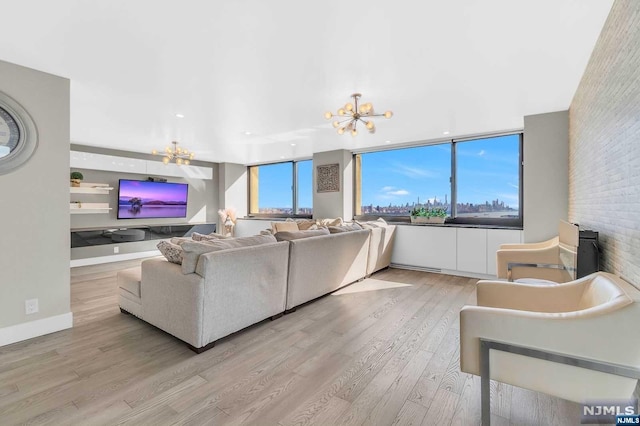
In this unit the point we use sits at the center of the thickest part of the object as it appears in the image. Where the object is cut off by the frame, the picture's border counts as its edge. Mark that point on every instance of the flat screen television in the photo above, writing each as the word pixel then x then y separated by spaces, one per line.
pixel 142 199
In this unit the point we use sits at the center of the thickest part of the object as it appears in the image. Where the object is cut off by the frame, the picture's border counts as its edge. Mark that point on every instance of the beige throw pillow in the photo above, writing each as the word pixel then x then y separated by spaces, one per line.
pixel 330 222
pixel 193 250
pixel 284 226
pixel 306 224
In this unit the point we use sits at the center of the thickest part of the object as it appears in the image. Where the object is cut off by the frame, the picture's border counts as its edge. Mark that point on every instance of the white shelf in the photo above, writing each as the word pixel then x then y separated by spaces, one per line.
pixel 90 188
pixel 89 208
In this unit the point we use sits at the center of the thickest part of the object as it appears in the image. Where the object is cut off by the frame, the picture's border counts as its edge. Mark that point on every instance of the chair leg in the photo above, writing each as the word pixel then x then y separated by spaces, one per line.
pixel 485 384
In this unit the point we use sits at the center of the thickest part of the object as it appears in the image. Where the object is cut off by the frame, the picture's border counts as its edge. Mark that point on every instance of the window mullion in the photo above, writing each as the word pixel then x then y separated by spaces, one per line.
pixel 452 179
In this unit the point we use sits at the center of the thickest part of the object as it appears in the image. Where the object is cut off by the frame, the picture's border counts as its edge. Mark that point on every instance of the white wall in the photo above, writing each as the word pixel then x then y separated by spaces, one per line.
pixel 546 174
pixel 232 188
pixel 334 204
pixel 34 211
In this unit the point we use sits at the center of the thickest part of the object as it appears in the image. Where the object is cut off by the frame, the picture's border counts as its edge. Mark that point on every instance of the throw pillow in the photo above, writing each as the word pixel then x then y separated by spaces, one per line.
pixel 172 252
pixel 329 222
pixel 193 250
pixel 345 228
pixel 179 240
pixel 284 226
pixel 208 237
pixel 296 235
pixel 305 224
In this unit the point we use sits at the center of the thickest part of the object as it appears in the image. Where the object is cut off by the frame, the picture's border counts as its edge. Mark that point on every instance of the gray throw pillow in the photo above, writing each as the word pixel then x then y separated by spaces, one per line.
pixel 172 252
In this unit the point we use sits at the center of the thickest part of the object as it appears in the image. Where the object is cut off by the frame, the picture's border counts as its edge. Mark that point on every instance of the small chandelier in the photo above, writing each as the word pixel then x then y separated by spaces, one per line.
pixel 349 116
pixel 175 153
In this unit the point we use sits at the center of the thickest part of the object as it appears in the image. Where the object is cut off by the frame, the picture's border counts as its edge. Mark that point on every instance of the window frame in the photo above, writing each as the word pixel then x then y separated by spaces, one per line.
pixel 253 187
pixel 453 219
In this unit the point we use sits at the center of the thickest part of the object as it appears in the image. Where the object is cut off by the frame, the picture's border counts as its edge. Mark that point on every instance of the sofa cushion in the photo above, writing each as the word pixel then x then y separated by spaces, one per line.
pixel 179 240
pixel 172 252
pixel 129 280
pixel 208 237
pixel 296 235
pixel 193 250
pixel 284 226
pixel 345 228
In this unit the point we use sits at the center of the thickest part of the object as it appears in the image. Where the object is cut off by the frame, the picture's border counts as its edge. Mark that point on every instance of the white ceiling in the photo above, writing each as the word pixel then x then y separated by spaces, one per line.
pixel 273 68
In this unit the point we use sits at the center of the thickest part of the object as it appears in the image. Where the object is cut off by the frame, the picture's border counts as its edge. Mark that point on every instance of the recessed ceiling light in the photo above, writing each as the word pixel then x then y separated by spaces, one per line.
pixel 293 144
pixel 247 133
pixel 282 157
pixel 387 141
pixel 180 115
pixel 445 133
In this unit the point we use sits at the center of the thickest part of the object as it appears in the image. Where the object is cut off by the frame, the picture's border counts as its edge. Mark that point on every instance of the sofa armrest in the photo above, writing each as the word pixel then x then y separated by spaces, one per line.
pixel 172 301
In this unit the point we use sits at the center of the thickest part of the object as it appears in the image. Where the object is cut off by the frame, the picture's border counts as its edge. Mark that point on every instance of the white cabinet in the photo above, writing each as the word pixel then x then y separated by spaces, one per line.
pixel 469 251
pixel 495 237
pixel 425 246
pixel 472 250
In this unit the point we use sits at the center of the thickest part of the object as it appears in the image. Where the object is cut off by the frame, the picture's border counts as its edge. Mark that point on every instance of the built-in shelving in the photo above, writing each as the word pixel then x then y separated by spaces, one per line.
pixel 77 207
pixel 89 208
pixel 91 188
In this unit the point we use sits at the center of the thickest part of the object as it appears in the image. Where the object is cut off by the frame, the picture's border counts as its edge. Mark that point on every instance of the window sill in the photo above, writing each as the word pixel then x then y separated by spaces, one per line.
pixel 457 225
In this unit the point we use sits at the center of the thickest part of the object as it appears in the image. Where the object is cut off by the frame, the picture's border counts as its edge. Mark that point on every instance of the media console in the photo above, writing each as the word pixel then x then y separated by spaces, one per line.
pixel 89 237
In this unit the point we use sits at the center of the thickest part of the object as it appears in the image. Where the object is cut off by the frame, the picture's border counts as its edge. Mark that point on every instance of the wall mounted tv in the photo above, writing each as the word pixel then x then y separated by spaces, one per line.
pixel 142 199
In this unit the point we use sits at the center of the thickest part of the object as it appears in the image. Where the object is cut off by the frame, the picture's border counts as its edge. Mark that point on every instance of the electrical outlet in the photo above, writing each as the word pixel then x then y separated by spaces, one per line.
pixel 116 249
pixel 31 306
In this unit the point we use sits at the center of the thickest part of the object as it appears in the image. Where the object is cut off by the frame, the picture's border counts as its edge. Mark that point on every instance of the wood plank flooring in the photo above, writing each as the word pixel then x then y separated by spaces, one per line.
pixel 384 351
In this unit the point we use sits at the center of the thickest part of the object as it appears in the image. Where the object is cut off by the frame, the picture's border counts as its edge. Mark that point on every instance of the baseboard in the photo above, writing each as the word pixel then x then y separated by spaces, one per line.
pixel 31 329
pixel 113 258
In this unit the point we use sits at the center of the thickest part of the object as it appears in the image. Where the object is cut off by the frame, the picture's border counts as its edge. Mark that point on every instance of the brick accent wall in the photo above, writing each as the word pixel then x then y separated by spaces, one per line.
pixel 604 143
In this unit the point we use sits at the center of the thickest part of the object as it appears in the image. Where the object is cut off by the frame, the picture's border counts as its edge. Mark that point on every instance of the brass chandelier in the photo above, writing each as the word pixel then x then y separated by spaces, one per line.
pixel 178 155
pixel 352 113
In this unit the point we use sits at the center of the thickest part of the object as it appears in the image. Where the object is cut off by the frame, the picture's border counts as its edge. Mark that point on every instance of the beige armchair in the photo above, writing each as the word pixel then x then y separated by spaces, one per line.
pixel 578 341
pixel 553 260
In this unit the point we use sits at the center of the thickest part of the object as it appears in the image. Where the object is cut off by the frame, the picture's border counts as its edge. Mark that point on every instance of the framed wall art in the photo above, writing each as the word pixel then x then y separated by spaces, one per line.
pixel 328 178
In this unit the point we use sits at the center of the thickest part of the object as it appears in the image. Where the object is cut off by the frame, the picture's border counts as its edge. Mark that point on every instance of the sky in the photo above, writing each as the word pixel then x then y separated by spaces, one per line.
pixel 149 191
pixel 487 170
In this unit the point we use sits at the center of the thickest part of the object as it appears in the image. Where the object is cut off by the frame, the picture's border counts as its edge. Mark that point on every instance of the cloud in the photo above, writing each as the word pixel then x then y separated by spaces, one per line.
pixel 481 153
pixel 387 188
pixel 513 186
pixel 413 172
pixel 398 192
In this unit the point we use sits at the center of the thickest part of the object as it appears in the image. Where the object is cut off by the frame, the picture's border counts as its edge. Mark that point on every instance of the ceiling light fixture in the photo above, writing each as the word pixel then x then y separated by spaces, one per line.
pixel 178 155
pixel 445 133
pixel 349 116
pixel 180 115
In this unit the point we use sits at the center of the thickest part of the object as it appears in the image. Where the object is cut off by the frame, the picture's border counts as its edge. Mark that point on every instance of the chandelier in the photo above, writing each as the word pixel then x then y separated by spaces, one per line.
pixel 352 113
pixel 178 155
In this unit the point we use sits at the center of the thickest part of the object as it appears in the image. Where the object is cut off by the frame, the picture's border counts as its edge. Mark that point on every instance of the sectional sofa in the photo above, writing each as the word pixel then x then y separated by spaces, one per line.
pixel 214 294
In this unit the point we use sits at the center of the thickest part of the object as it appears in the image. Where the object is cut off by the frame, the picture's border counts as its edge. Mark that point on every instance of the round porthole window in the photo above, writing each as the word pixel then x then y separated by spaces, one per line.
pixel 18 135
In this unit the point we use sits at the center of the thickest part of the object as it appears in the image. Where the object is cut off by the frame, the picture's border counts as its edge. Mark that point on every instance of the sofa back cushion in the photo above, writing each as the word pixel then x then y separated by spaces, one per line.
pixel 296 235
pixel 193 250
pixel 208 237
pixel 345 228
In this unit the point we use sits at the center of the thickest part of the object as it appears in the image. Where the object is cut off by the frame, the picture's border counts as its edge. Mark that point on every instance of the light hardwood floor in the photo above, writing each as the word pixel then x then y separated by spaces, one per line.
pixel 384 351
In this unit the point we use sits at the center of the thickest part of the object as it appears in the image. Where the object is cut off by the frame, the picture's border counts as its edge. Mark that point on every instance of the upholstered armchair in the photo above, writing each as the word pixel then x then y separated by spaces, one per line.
pixel 578 341
pixel 553 260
